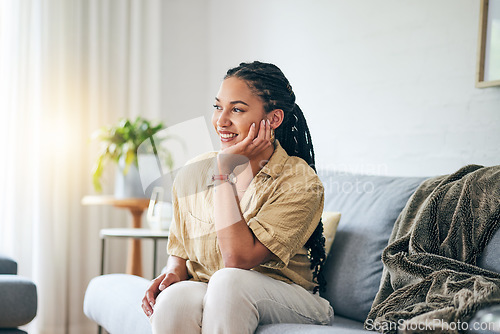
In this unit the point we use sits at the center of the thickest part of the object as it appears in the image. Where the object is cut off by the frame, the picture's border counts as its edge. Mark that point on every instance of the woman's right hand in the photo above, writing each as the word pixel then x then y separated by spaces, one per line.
pixel 158 285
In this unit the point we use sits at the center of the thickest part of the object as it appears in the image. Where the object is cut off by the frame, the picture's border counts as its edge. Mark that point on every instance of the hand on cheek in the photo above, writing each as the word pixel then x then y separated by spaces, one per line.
pixel 264 132
pixel 256 142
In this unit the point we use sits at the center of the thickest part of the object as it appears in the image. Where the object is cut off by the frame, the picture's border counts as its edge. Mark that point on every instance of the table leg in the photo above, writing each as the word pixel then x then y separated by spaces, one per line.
pixel 134 259
pixel 154 256
pixel 102 255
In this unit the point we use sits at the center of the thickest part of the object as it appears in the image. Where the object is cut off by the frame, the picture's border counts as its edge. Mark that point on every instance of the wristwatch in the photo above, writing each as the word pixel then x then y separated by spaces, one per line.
pixel 231 178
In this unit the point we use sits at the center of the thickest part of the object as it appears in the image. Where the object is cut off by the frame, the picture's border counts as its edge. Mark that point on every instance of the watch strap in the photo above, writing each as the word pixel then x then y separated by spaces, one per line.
pixel 231 178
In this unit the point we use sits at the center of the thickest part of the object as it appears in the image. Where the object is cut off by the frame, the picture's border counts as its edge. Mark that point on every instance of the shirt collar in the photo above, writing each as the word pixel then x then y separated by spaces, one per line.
pixel 277 161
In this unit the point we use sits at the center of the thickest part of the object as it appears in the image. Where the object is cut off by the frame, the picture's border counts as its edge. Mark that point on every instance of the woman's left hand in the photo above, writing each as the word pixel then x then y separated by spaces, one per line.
pixel 247 149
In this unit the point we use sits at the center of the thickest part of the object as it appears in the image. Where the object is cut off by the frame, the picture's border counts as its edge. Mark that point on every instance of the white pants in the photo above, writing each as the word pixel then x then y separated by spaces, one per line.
pixel 235 301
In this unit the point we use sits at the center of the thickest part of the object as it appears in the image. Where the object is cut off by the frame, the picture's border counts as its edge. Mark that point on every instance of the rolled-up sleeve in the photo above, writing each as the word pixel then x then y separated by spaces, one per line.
pixel 289 217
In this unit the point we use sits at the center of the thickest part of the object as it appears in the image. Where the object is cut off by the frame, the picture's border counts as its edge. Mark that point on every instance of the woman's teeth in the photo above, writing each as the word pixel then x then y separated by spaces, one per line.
pixel 223 135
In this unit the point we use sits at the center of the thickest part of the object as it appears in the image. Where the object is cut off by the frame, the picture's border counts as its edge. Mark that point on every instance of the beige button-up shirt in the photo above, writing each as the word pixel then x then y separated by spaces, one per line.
pixel 282 206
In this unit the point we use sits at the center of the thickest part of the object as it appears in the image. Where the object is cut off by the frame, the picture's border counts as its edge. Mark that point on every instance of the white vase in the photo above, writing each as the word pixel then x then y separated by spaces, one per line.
pixel 128 185
pixel 159 216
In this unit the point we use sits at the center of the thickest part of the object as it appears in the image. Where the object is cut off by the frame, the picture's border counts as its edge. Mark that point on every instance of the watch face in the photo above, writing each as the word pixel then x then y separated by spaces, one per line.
pixel 231 178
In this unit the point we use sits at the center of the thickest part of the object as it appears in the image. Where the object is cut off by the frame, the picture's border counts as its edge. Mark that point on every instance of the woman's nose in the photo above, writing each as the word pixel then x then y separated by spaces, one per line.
pixel 224 119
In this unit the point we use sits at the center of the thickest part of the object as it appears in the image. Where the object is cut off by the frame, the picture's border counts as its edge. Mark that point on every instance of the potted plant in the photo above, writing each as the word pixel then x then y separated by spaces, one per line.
pixel 120 143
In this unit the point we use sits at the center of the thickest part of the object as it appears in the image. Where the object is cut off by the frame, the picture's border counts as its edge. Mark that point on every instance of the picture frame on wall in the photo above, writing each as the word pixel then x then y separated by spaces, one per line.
pixel 488 62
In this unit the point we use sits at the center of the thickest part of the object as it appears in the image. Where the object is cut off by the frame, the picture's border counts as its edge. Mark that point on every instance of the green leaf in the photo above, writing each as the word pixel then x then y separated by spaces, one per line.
pixel 97 173
pixel 130 157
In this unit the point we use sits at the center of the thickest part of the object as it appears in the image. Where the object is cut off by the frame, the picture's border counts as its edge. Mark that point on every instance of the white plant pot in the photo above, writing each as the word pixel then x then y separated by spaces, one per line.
pixel 128 185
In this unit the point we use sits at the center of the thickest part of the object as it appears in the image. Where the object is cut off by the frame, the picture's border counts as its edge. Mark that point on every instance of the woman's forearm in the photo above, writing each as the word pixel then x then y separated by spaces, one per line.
pixel 237 243
pixel 177 266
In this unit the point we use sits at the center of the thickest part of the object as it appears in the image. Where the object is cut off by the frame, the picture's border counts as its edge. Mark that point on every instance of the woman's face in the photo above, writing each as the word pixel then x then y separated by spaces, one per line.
pixel 236 108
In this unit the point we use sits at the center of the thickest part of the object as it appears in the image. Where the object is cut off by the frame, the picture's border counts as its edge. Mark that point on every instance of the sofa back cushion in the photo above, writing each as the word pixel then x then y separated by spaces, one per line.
pixel 369 206
pixel 7 265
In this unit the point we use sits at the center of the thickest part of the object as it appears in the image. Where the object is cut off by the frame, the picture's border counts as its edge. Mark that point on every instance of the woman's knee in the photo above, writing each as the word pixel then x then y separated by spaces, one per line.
pixel 231 282
pixel 228 304
pixel 230 277
pixel 177 303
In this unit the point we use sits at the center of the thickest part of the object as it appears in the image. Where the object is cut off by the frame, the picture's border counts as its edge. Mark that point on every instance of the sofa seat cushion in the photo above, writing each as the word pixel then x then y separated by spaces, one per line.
pixel 18 302
pixel 340 325
pixel 109 296
pixel 369 205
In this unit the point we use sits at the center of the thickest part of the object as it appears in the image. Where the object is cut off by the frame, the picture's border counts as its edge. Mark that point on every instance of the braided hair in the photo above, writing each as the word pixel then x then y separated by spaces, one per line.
pixel 270 84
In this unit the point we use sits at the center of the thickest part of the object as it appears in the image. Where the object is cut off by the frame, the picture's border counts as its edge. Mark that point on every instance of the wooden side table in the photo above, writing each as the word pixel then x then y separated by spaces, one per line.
pixel 136 206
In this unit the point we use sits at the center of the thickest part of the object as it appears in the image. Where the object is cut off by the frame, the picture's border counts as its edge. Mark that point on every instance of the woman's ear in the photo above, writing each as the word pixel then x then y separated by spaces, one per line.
pixel 275 118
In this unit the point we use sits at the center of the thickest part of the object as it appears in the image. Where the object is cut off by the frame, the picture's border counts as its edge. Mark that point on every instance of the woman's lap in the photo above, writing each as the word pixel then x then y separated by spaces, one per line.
pixel 236 300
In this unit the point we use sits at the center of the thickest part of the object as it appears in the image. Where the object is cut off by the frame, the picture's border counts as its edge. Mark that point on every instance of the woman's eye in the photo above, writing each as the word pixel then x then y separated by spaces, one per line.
pixel 217 107
pixel 238 110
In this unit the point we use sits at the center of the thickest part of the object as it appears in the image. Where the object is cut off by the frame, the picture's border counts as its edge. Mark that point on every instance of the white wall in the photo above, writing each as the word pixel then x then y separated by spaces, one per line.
pixel 387 86
pixel 184 50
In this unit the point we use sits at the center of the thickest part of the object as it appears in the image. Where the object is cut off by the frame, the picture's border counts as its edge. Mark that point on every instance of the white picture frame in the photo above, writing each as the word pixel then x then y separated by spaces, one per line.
pixel 488 62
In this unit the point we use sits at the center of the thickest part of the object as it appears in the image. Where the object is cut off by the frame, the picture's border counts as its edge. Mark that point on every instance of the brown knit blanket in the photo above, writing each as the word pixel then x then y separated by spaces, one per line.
pixel 430 281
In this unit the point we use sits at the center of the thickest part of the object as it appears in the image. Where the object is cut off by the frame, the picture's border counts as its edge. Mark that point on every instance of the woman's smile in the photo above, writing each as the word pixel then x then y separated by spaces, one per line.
pixel 226 136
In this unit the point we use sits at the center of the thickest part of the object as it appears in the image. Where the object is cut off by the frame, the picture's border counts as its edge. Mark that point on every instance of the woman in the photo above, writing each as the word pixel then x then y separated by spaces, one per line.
pixel 256 204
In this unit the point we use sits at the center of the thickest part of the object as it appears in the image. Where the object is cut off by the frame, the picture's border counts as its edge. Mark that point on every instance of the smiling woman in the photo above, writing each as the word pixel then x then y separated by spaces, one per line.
pixel 246 249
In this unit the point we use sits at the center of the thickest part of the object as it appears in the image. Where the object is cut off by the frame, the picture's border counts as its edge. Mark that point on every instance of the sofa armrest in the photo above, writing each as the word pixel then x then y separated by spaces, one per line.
pixel 114 302
pixel 18 304
pixel 11 331
pixel 7 265
pixel 486 321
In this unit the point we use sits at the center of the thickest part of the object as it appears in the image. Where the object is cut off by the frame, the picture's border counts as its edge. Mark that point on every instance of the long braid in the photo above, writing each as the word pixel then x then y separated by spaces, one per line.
pixel 270 84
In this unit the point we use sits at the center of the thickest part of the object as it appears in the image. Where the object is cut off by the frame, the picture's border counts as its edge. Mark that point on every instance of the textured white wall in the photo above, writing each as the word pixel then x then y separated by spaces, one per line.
pixel 185 52
pixel 387 86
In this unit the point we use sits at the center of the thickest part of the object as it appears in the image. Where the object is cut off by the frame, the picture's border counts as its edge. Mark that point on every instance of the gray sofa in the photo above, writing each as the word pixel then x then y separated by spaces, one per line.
pixel 369 207
pixel 18 298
